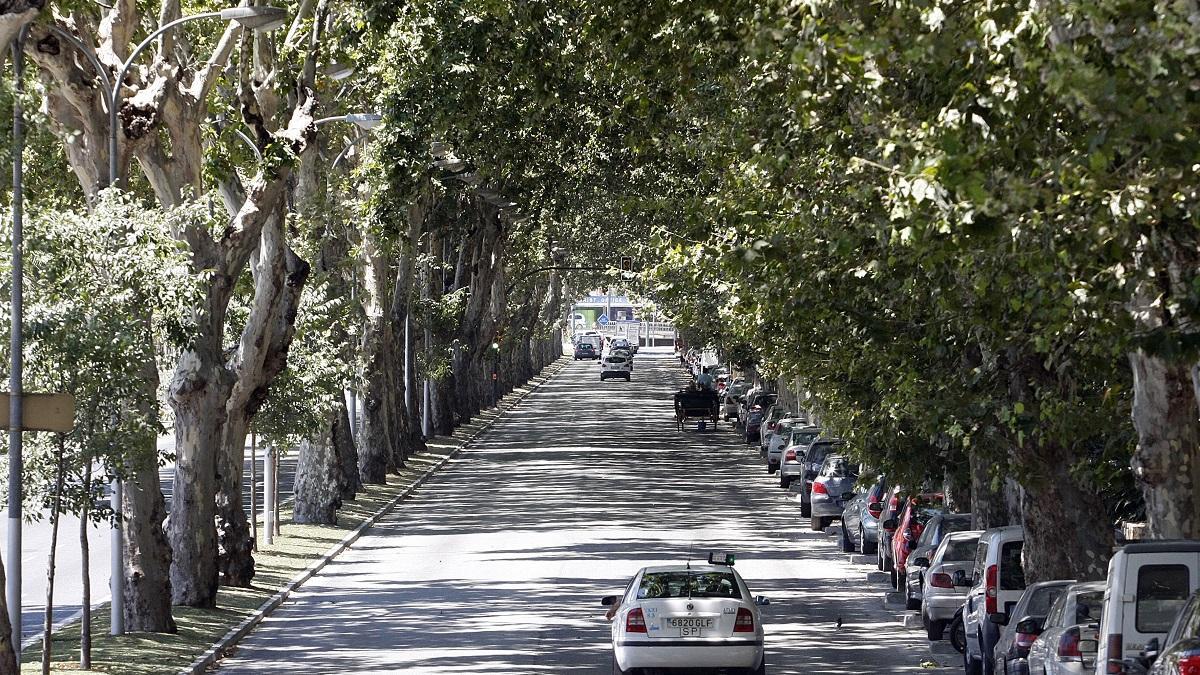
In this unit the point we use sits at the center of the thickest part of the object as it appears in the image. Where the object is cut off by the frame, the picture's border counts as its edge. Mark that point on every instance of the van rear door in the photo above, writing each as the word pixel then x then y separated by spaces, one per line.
pixel 1156 586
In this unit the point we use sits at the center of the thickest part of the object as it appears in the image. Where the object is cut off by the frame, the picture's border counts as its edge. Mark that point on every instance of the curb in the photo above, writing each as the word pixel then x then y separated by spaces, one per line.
pixel 237 633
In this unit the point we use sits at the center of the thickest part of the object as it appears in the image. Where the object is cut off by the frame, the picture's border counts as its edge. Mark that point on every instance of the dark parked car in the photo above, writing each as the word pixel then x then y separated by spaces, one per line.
pixel 586 350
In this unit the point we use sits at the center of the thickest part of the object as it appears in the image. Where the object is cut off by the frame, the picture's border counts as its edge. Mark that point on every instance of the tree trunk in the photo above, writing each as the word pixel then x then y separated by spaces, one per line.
pixel 374 448
pixel 318 477
pixel 85 557
pixel 198 396
pixel 55 510
pixel 147 554
pixel 8 658
pixel 988 507
pixel 279 276
pixel 343 442
pixel 1167 461
pixel 1056 504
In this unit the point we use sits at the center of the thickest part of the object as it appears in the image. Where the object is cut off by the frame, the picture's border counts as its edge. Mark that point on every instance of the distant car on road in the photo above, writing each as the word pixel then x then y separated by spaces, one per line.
pixel 586 350
pixel 687 616
pixel 615 366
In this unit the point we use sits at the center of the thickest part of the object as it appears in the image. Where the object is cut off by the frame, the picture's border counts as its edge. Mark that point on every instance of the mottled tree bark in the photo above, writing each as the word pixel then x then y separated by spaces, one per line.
pixel 1167 461
pixel 147 554
pixel 318 480
pixel 343 442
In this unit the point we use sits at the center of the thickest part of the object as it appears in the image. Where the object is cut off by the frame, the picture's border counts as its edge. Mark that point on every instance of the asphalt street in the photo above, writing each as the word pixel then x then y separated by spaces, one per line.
pixel 68 582
pixel 498 563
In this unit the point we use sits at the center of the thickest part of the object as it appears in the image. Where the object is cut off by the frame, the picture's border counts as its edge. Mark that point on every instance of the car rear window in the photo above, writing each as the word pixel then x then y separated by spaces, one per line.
pixel 1089 606
pixel 1161 592
pixel 840 467
pixel 1012 574
pixel 960 550
pixel 803 437
pixel 615 359
pixel 1042 598
pixel 692 584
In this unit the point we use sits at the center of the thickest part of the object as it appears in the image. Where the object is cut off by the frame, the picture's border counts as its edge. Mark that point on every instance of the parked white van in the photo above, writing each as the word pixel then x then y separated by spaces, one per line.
pixel 1148 583
pixel 997 583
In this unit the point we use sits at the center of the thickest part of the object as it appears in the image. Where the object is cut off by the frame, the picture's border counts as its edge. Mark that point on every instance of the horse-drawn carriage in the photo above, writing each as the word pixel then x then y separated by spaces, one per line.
pixel 702 404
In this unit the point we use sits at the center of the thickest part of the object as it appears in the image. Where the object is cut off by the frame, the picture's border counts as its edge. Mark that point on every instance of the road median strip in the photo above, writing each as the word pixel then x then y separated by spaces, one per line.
pixel 300 552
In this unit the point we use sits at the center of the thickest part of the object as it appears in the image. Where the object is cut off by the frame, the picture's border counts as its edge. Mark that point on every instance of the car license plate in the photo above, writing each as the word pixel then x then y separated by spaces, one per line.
pixel 690 627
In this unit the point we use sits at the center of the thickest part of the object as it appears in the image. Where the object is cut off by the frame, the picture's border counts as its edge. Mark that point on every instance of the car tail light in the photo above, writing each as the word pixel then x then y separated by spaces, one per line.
pixel 744 623
pixel 1068 646
pixel 1116 649
pixel 819 489
pixel 990 590
pixel 791 455
pixel 941 580
pixel 875 509
pixel 635 622
pixel 1023 642
pixel 1189 662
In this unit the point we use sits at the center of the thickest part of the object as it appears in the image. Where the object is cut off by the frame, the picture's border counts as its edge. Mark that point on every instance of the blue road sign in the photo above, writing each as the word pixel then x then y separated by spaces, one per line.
pixel 602 320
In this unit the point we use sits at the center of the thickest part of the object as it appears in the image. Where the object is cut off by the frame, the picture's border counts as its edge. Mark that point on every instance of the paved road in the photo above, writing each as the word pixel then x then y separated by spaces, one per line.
pixel 498 563
pixel 68 583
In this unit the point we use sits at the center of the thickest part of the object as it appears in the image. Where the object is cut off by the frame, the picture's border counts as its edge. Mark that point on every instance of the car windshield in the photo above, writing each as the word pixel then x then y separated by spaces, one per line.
pixel 804 437
pixel 689 584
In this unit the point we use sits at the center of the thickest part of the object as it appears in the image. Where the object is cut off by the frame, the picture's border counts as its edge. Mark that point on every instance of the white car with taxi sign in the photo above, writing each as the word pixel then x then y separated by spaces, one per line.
pixel 687 616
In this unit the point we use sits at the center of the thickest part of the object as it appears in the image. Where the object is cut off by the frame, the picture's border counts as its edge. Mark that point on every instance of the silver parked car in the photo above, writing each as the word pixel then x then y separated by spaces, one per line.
pixel 831 489
pixel 947 581
pixel 814 458
pixel 860 518
pixel 931 535
pixel 789 459
pixel 1067 644
pixel 1024 623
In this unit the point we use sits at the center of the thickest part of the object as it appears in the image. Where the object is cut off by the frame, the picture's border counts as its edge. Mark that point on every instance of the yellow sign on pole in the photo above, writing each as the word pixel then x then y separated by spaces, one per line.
pixel 42 412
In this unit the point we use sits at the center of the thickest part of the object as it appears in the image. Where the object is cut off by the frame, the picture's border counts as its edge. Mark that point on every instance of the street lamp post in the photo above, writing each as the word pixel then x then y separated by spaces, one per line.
pixel 16 409
pixel 254 18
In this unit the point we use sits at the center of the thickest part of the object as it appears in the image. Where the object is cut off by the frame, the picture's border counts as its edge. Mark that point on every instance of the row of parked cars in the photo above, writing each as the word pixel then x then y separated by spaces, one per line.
pixel 969 585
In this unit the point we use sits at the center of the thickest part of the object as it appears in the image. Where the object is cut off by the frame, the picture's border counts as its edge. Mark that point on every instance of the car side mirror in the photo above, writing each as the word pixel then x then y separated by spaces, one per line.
pixel 609 600
pixel 889 524
pixel 1029 626
pixel 761 600
pixel 921 562
pixel 999 618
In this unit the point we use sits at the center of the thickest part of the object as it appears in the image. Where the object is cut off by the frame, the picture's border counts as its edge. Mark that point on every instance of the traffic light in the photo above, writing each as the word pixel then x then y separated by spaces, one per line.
pixel 626 263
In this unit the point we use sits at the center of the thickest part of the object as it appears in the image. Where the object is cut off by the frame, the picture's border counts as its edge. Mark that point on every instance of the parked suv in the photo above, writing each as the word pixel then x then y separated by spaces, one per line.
pixel 831 489
pixel 1148 584
pixel 997 582
pixel 813 459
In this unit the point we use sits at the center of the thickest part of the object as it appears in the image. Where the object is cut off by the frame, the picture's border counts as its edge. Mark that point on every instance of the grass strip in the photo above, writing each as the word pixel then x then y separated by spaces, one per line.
pixel 275 566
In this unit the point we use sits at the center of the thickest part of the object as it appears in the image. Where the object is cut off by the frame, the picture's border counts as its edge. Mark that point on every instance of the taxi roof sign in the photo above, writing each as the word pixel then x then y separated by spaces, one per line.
pixel 718 558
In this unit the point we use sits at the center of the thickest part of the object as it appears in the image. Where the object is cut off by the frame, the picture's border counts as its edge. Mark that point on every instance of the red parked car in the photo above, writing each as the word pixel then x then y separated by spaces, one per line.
pixel 906 530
